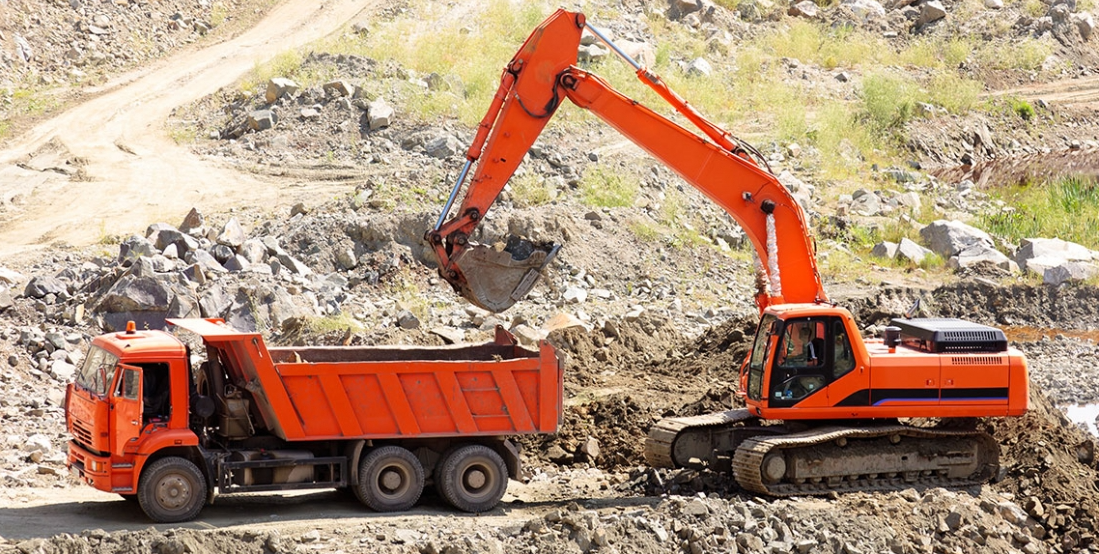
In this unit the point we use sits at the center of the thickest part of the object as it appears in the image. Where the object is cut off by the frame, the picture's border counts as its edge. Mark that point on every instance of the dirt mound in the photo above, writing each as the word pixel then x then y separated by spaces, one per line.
pixel 1050 471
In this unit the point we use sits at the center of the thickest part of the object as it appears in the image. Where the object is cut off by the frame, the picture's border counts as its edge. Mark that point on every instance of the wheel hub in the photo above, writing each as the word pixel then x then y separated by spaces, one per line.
pixel 173 492
pixel 476 478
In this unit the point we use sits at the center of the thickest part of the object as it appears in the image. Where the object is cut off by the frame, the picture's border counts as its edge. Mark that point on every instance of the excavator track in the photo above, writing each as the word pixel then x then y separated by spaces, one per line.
pixel 676 441
pixel 872 458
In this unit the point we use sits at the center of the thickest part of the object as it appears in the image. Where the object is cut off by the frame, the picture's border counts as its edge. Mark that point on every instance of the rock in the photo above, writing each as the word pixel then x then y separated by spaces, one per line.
pixel 684 7
pixel 208 262
pixel 194 223
pixel 379 115
pixel 864 8
pixel 5 300
pixel 590 449
pixel 700 67
pixel 40 287
pixel 135 248
pixel 641 52
pixel 339 88
pixel 806 8
pixel 253 251
pixel 168 236
pixel 557 455
pixel 1070 271
pixel 450 334
pixel 802 191
pixel 587 37
pixel 261 120
pixel 232 234
pixel 1085 24
pixel 575 295
pixel 279 87
pixel 1051 252
pixel 561 321
pixel 592 52
pixel 345 258
pixel 62 371
pixel 930 12
pixel 407 320
pixel 236 263
pixel 884 249
pixel 9 277
pixel 868 205
pixel 948 238
pixel 37 443
pixel 994 4
pixel 909 200
pixel 293 264
pixel 442 147
pixel 527 334
pixel 978 254
pixel 910 251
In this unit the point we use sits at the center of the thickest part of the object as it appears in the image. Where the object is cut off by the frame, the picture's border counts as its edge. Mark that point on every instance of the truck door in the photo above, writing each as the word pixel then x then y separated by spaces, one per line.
pixel 125 408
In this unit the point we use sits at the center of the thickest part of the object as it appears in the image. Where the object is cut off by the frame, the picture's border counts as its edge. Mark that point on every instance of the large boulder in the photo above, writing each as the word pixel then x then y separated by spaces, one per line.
pixel 1070 271
pixel 909 251
pixel 1046 253
pixel 981 254
pixel 134 248
pixel 40 287
pixel 232 234
pixel 145 299
pixel 948 238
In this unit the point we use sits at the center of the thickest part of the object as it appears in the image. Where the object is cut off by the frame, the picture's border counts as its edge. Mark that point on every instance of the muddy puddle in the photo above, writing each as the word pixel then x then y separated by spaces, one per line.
pixel 1032 334
pixel 1084 415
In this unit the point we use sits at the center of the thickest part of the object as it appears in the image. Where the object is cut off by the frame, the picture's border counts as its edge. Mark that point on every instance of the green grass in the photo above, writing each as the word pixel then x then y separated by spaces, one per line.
pixel 1065 208
pixel 607 187
pixel 529 190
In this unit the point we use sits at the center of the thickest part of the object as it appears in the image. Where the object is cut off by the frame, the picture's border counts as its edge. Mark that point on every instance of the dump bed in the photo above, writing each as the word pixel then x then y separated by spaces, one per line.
pixel 333 392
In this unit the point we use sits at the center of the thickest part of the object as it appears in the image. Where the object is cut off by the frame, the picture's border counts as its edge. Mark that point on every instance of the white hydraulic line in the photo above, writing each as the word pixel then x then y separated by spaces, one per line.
pixel 772 256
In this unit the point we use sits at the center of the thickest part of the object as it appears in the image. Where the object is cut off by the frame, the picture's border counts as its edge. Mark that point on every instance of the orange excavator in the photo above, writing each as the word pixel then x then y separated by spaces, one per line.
pixel 825 409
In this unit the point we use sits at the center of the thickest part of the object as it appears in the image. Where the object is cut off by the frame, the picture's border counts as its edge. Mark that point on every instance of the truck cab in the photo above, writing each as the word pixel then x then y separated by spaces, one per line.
pixel 128 402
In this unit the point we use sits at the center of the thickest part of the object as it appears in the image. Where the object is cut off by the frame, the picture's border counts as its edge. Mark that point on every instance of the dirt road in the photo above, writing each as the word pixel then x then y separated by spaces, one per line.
pixel 134 172
pixel 40 513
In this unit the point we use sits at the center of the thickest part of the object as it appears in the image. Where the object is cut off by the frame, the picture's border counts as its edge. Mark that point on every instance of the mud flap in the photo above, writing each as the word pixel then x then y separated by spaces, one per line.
pixel 496 277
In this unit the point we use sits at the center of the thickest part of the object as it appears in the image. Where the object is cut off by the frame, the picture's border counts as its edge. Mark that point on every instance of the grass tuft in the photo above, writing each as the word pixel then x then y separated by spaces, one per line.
pixel 1065 208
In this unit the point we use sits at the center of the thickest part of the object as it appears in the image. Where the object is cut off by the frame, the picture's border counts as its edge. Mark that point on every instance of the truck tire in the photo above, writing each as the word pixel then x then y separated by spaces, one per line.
pixel 171 490
pixel 472 478
pixel 391 479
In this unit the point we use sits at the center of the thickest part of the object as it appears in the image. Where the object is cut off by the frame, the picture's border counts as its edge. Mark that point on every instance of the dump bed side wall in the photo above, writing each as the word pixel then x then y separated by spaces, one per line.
pixel 481 390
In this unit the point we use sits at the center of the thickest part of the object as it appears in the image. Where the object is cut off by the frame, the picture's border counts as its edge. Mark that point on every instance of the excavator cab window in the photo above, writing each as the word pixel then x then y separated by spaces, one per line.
pixel 843 361
pixel 800 367
pixel 769 327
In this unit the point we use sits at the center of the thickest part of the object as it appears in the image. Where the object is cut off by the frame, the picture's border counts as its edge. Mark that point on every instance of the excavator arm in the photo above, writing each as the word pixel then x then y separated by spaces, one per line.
pixel 540 75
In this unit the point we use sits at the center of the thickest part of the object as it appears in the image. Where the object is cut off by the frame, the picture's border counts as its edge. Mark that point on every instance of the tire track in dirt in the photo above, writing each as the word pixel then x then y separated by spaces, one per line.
pixel 129 171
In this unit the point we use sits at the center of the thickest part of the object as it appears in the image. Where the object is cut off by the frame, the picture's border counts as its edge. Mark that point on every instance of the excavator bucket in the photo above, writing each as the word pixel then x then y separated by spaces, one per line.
pixel 500 275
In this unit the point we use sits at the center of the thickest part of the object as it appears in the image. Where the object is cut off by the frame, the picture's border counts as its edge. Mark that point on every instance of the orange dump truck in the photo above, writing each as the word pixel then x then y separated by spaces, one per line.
pixel 153 423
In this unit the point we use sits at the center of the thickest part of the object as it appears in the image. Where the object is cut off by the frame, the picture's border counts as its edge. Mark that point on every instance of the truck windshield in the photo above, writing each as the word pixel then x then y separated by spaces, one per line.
pixel 97 373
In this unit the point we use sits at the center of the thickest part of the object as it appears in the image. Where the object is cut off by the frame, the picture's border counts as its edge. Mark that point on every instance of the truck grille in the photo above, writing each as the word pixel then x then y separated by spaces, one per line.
pixel 81 433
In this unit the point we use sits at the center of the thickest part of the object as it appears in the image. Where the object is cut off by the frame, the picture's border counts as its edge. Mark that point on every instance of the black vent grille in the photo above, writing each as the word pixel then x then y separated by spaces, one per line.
pixel 950 335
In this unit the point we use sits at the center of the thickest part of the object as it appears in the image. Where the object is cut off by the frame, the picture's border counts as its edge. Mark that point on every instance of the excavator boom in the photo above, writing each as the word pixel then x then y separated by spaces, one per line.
pixel 533 85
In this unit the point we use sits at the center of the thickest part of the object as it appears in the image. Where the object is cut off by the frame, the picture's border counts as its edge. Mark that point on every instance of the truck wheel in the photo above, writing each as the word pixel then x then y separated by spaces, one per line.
pixel 391 479
pixel 472 478
pixel 171 490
